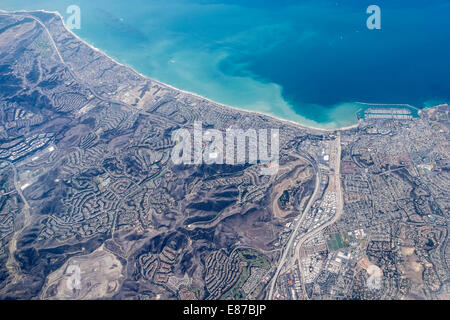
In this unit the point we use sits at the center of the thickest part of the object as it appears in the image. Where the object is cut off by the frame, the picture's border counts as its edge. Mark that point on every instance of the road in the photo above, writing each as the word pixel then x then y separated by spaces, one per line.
pixel 79 80
pixel 312 233
pixel 294 233
pixel 339 210
pixel 11 264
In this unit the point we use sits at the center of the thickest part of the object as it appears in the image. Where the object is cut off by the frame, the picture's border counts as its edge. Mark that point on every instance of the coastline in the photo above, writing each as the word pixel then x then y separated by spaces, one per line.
pixel 189 92
pixel 241 110
pixel 193 94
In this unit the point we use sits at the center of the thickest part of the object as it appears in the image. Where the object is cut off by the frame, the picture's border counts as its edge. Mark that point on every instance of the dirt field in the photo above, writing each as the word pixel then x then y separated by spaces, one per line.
pixel 93 276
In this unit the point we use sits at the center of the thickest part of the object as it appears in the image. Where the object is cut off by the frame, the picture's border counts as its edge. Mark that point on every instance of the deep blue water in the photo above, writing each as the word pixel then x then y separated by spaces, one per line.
pixel 306 61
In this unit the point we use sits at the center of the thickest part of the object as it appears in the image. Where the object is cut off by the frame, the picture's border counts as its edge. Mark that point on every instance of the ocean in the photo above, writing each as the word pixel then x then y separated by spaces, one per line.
pixel 307 61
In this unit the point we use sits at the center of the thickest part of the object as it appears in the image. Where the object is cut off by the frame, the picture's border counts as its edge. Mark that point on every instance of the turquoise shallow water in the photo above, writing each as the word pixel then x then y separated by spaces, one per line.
pixel 305 61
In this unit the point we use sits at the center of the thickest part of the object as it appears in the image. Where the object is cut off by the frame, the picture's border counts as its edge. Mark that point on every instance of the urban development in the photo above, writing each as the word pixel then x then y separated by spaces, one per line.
pixel 92 205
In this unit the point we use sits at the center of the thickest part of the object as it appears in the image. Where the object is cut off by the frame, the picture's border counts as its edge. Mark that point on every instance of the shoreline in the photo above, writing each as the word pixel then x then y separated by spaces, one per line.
pixel 193 94
pixel 189 92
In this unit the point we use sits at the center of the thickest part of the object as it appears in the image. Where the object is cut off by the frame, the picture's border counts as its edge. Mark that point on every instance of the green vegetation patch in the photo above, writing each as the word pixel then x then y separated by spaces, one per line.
pixel 253 259
pixel 338 241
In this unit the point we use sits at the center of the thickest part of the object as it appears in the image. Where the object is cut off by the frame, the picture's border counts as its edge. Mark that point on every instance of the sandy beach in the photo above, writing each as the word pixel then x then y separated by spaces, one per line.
pixel 298 124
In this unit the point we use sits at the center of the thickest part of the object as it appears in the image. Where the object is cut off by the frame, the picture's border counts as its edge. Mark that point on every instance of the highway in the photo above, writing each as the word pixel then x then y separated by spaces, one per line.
pixel 314 232
pixel 11 264
pixel 339 210
pixel 294 233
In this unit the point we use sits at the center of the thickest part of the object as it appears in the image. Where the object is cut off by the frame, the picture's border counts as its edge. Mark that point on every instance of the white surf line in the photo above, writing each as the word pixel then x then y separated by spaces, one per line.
pixel 297 124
